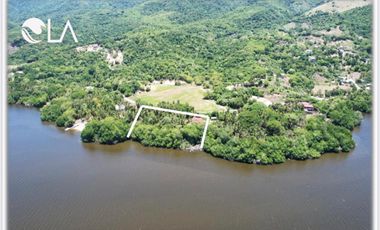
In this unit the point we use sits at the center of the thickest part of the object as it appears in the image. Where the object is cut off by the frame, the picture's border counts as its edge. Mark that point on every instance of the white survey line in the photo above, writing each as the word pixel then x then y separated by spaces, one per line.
pixel 204 132
pixel 134 121
pixel 170 111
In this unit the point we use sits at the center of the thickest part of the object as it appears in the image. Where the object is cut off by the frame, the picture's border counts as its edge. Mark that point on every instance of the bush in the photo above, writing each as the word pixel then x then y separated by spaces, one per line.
pixel 107 131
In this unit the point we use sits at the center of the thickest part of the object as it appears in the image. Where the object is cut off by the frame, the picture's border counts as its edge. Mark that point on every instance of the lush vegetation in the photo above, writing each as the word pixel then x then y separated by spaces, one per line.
pixel 273 134
pixel 238 50
pixel 106 131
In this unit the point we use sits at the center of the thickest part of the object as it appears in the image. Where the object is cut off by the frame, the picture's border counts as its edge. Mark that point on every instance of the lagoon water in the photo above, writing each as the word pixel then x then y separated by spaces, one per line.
pixel 57 182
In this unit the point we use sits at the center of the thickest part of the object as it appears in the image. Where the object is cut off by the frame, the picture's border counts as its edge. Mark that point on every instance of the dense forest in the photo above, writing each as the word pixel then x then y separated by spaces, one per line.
pixel 238 50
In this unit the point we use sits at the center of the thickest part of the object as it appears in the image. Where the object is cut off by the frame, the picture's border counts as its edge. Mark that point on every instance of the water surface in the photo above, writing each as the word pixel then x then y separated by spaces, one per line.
pixel 57 182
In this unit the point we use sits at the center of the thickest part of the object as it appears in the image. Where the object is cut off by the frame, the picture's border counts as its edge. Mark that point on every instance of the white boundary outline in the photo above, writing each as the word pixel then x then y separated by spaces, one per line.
pixel 3 115
pixel 171 111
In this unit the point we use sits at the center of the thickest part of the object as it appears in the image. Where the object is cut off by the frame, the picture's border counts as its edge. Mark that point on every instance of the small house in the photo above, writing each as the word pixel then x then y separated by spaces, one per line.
pixel 307 107
pixel 120 107
pixel 312 59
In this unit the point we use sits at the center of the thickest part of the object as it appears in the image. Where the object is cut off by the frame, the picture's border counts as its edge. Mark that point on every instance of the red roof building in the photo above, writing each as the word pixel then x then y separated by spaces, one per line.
pixel 197 120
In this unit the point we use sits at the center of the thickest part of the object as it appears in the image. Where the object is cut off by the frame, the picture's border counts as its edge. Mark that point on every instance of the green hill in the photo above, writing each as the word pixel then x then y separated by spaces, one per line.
pixel 237 50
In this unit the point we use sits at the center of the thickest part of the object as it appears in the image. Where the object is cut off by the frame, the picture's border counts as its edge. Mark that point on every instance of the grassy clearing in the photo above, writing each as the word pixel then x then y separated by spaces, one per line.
pixel 321 85
pixel 339 6
pixel 191 94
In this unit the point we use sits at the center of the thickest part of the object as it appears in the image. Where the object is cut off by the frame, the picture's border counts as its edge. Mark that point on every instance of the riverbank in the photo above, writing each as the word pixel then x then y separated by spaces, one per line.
pixel 181 141
pixel 78 126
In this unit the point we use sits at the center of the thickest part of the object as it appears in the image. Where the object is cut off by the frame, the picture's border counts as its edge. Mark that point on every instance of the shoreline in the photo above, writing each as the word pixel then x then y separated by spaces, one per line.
pixel 80 124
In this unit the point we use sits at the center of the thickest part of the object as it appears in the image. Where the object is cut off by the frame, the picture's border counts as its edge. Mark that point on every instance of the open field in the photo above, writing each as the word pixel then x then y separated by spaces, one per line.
pixel 322 88
pixel 191 94
pixel 321 85
pixel 339 6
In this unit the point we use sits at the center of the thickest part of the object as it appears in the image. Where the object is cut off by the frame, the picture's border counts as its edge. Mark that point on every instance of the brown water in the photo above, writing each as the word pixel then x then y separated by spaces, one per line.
pixel 56 182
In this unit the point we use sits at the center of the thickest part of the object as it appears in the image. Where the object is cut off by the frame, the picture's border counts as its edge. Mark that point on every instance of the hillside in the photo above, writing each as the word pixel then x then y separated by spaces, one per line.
pixel 259 60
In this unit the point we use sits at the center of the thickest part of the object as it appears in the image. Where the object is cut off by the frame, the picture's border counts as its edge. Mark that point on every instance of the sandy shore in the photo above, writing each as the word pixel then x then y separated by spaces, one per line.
pixel 79 126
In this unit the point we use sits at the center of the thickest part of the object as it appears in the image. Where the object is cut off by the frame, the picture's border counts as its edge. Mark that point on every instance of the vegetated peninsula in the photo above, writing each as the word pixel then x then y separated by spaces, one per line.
pixel 279 79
